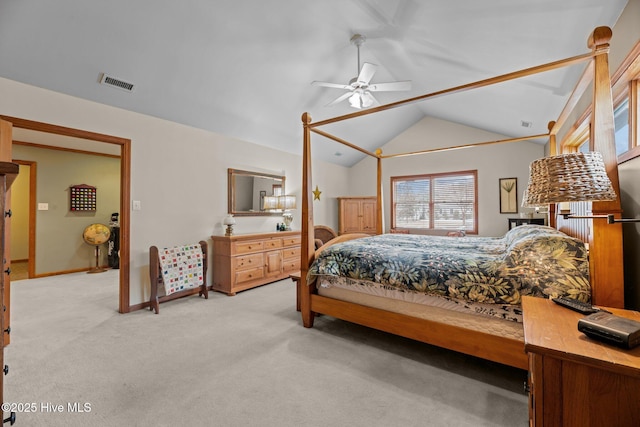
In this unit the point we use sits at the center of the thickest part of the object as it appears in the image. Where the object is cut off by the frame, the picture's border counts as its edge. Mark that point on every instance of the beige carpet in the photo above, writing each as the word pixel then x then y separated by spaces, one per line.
pixel 232 361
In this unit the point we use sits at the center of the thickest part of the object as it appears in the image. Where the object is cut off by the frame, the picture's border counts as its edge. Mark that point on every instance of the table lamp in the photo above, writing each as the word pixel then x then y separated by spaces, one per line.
pixel 287 203
pixel 229 221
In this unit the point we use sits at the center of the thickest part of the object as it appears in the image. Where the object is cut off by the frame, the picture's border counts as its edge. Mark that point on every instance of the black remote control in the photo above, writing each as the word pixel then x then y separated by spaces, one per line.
pixel 575 305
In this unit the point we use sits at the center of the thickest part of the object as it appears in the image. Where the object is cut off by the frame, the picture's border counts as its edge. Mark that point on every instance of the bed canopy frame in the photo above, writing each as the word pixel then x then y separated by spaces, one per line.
pixel 605 240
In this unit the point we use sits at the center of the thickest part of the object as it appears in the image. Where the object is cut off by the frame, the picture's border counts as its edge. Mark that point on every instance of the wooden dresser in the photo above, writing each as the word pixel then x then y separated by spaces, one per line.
pixel 357 215
pixel 574 380
pixel 245 261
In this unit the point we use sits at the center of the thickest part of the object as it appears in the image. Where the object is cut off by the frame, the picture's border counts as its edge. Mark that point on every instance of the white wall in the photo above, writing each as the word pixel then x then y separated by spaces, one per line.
pixel 492 162
pixel 178 173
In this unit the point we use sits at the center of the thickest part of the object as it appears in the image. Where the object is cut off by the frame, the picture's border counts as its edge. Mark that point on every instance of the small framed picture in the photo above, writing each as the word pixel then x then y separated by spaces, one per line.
pixel 508 195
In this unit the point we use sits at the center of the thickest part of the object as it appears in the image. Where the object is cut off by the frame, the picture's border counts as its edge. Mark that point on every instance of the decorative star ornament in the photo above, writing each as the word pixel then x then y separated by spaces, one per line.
pixel 316 193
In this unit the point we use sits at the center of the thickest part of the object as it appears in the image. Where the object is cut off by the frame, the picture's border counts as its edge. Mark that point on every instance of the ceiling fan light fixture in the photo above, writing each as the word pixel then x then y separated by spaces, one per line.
pixel 367 100
pixel 361 99
pixel 355 101
pixel 360 87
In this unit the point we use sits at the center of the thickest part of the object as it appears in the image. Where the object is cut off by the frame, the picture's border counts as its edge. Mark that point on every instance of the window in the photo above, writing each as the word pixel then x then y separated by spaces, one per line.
pixel 436 201
pixel 621 124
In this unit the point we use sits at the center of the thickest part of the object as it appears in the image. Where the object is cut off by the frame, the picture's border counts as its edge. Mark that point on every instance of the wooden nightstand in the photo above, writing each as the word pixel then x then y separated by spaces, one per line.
pixel 574 380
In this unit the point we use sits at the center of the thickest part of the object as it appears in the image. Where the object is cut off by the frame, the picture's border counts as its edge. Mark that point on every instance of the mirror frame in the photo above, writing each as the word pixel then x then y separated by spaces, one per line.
pixel 231 192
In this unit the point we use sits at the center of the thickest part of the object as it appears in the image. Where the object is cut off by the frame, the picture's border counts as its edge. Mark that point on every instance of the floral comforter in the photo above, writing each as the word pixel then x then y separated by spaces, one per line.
pixel 527 260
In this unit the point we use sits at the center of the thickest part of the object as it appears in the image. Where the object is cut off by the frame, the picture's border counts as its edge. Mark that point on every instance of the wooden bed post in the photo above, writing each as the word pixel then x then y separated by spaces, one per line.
pixel 379 204
pixel 605 245
pixel 307 250
pixel 553 150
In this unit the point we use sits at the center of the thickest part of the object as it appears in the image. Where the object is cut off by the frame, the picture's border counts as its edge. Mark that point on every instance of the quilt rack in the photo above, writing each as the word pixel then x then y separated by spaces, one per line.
pixel 158 281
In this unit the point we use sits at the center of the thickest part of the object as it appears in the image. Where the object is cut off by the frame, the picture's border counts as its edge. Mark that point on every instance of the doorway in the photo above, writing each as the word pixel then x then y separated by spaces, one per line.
pixel 23 205
pixel 124 146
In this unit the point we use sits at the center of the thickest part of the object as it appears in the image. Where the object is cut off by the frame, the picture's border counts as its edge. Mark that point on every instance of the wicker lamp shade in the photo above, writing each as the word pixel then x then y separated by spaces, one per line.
pixel 573 177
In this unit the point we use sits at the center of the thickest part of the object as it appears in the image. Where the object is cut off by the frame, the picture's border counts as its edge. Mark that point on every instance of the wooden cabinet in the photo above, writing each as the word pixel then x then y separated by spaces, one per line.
pixel 245 261
pixel 357 215
pixel 574 380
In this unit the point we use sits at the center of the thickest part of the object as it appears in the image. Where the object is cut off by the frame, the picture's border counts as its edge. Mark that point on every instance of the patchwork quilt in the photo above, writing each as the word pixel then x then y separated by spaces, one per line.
pixel 182 267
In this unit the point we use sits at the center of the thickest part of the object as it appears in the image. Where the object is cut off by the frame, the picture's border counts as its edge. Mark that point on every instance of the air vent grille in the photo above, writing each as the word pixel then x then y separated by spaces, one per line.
pixel 117 83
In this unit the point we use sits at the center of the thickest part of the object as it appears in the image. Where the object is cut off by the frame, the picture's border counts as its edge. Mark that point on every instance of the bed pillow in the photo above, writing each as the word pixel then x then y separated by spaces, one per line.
pixel 528 231
pixel 548 263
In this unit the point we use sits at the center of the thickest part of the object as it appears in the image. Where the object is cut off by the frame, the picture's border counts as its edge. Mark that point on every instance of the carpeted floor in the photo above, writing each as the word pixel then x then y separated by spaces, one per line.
pixel 232 361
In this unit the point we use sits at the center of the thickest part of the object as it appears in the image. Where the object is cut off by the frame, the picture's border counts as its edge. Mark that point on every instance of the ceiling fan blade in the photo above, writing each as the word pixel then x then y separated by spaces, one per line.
pixel 339 99
pixel 331 85
pixel 366 73
pixel 391 86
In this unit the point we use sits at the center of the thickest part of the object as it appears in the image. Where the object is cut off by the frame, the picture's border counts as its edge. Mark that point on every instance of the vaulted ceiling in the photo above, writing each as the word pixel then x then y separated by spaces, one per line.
pixel 243 68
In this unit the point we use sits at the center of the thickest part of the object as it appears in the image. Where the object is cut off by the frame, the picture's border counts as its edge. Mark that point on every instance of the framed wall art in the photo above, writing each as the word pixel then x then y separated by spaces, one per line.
pixel 82 198
pixel 508 195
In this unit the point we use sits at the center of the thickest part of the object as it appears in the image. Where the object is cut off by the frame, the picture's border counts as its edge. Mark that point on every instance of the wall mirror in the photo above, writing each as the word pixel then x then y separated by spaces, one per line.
pixel 247 191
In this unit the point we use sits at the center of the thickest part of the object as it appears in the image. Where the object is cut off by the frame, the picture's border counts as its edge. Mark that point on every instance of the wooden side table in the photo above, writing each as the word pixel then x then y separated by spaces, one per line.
pixel 575 380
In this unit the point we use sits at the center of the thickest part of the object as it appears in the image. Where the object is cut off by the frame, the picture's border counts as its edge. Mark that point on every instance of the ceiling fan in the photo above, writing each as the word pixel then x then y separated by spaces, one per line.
pixel 360 87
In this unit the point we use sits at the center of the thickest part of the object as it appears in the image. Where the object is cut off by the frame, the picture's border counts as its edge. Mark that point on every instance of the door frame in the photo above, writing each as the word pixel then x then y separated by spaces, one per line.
pixel 125 190
pixel 33 179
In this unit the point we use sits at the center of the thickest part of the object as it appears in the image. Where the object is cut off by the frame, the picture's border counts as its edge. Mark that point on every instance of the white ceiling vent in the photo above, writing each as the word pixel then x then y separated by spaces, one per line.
pixel 108 80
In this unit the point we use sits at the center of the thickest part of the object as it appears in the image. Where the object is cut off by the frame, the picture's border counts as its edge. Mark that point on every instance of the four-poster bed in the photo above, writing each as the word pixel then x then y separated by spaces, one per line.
pixel 439 326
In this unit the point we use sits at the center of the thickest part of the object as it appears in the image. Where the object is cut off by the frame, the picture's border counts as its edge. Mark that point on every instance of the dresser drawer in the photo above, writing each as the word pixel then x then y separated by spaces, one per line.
pixel 248 275
pixel 291 253
pixel 245 262
pixel 292 264
pixel 273 244
pixel 248 247
pixel 292 241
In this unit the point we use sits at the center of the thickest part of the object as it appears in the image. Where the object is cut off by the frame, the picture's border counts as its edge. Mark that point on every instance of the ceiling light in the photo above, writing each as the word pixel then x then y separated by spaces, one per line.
pixel 361 99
